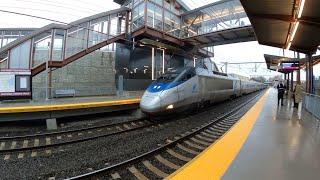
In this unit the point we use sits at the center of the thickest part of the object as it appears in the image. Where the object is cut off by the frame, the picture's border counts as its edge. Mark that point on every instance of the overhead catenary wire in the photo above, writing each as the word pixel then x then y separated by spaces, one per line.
pixel 35 9
pixel 54 4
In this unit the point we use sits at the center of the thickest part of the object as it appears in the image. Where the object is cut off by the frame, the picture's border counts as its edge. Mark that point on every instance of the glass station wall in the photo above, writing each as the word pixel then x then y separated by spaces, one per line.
pixel 219 16
pixel 169 16
pixel 162 15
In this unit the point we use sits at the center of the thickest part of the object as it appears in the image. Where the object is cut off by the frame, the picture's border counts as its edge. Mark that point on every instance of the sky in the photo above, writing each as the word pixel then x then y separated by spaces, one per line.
pixel 71 10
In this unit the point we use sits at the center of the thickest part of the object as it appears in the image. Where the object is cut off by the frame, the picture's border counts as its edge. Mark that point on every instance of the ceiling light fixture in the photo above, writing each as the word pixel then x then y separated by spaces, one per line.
pixel 296 25
pixel 288 46
pixel 301 8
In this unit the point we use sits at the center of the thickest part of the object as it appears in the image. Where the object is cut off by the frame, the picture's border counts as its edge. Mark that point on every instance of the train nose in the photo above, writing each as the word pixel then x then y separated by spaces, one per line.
pixel 150 104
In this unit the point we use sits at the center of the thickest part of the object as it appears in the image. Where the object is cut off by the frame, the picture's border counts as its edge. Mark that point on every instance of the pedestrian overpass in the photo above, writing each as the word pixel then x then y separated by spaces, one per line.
pixel 191 33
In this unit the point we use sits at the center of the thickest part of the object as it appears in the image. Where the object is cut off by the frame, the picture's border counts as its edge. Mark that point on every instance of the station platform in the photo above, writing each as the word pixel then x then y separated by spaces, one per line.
pixel 63 107
pixel 268 142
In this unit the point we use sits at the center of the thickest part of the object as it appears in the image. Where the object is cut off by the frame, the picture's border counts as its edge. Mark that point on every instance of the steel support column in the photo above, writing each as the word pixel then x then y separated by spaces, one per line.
pixel 127 23
pixel 291 82
pixel 48 70
pixel 307 75
pixel 64 44
pixel 310 74
pixel 287 82
pixel 226 67
pixel 2 39
pixel 152 64
pixel 163 61
pixel 298 71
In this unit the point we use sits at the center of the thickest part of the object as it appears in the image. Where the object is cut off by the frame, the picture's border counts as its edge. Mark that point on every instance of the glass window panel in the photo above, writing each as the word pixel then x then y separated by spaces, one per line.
pixel 20 55
pixel 138 16
pixel 58 44
pixel 41 48
pixel 76 39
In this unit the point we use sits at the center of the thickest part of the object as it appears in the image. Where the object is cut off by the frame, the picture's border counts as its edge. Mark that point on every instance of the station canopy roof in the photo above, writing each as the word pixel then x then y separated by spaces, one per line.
pixel 276 63
pixel 288 24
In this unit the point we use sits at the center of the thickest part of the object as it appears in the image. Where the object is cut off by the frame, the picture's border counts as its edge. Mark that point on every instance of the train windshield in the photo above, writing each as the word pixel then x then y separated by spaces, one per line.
pixel 168 77
pixel 182 74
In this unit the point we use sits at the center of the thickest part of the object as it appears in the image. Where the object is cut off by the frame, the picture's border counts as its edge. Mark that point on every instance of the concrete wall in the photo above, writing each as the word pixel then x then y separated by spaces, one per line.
pixel 91 75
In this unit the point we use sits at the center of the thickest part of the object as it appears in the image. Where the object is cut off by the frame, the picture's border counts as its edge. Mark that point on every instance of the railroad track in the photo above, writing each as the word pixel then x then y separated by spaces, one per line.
pixel 54 139
pixel 164 160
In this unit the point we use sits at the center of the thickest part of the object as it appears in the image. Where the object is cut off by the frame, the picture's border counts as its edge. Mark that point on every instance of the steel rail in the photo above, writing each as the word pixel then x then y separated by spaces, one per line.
pixel 77 140
pixel 161 148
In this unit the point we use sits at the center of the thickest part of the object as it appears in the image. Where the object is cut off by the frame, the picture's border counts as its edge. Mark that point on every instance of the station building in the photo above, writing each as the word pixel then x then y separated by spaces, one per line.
pixel 139 42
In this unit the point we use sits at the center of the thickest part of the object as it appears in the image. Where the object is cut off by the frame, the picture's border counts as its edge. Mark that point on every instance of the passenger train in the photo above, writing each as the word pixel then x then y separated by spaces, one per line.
pixel 191 87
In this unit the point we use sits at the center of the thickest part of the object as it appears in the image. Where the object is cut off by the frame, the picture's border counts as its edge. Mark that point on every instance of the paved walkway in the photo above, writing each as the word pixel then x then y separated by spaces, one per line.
pixel 73 100
pixel 280 146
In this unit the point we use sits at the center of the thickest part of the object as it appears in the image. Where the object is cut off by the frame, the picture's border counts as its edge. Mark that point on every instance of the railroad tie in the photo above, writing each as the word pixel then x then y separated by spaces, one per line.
pixel 204 138
pixel 194 145
pixel 167 162
pixel 115 175
pixel 119 128
pixel 200 142
pixel 177 155
pixel 36 142
pixel 187 149
pixel 7 157
pixel 154 169
pixel 213 133
pixel 176 137
pixel 20 155
pixel 48 141
pixel 13 145
pixel 137 173
pixel 126 126
pixel 33 154
pixel 2 145
pixel 25 143
pixel 48 151
pixel 209 135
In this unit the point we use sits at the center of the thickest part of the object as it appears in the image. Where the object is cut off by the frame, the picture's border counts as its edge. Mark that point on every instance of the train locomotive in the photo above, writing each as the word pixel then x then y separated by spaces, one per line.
pixel 189 87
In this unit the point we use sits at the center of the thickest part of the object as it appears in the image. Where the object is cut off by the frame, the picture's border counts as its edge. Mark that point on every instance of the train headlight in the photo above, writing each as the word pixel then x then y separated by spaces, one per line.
pixel 170 106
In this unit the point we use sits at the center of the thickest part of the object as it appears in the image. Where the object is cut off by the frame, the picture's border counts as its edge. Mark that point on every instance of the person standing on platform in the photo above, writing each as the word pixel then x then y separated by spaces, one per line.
pixel 297 96
pixel 281 91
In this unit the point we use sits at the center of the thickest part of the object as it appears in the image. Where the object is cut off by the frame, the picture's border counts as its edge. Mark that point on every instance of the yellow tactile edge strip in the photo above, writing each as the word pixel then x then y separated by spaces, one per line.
pixel 59 107
pixel 216 159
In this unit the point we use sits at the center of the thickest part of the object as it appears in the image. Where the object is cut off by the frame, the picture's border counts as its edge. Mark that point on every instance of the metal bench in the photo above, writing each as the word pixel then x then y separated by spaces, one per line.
pixel 64 93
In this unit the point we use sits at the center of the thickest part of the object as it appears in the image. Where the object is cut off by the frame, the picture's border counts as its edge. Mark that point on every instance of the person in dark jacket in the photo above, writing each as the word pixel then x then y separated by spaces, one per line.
pixel 281 91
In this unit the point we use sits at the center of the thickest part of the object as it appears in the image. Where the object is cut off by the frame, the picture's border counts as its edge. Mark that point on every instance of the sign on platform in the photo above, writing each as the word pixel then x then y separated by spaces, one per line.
pixel 15 84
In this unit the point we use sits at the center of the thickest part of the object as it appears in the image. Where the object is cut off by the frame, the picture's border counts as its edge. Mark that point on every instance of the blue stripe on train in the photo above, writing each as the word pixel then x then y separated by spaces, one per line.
pixel 160 86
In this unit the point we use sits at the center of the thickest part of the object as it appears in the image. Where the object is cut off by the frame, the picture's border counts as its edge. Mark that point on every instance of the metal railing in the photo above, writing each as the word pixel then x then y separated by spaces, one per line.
pixel 311 103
